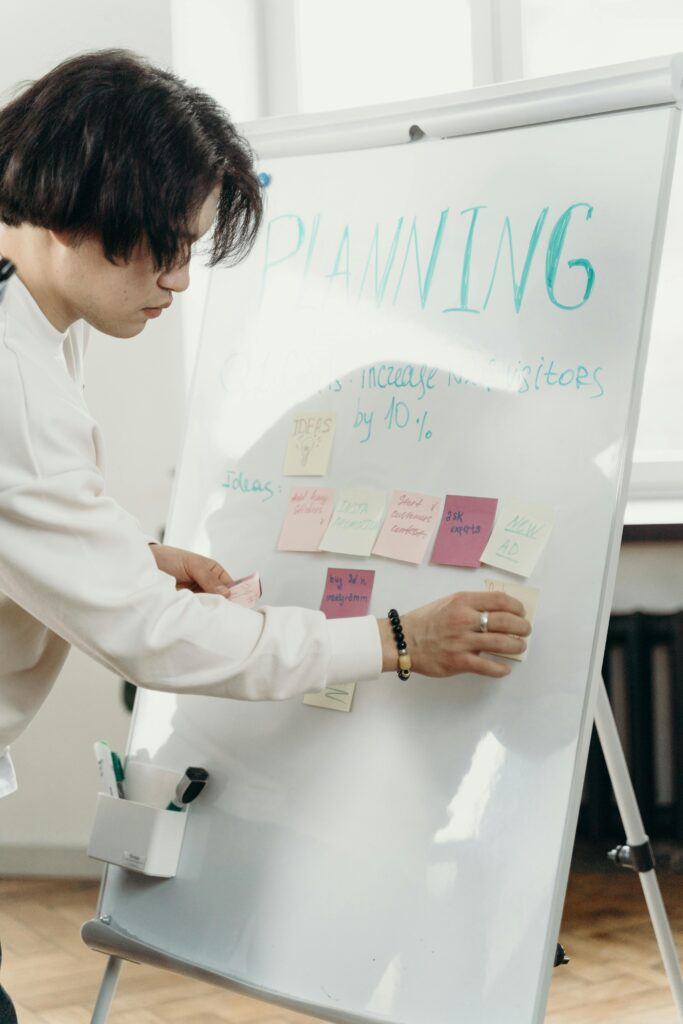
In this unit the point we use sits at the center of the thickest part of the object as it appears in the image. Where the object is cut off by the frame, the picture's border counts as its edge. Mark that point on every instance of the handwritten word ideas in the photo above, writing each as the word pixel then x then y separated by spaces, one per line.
pixel 236 480
pixel 408 526
pixel 465 528
pixel 309 444
pixel 308 514
pixel 519 536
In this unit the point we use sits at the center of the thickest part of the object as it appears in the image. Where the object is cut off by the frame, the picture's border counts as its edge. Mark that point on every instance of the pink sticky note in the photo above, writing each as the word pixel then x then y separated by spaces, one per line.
pixel 307 517
pixel 246 591
pixel 347 593
pixel 465 528
pixel 409 524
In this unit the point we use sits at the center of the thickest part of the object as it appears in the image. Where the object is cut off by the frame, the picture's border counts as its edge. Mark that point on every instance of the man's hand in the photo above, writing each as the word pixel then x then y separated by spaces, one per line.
pixel 191 571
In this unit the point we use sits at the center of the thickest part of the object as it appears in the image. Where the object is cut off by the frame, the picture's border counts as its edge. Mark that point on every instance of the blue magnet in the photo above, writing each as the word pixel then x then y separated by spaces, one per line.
pixel 264 179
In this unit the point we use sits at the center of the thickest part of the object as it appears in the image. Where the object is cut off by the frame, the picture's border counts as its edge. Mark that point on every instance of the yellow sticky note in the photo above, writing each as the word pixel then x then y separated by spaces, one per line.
pixel 529 598
pixel 333 698
pixel 309 444
pixel 355 521
pixel 520 533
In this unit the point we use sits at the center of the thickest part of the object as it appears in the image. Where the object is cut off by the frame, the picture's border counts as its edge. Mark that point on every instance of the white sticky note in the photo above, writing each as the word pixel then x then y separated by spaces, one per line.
pixel 355 522
pixel 520 533
pixel 333 698
pixel 529 598
pixel 309 444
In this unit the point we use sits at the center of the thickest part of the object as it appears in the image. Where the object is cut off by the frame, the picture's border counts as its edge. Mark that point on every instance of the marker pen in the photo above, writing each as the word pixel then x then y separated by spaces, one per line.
pixel 118 772
pixel 105 767
pixel 189 787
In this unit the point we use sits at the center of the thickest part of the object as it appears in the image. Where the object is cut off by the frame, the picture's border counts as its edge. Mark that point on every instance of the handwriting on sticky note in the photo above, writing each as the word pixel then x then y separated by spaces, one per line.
pixel 408 526
pixel 347 593
pixel 520 533
pixel 529 598
pixel 308 513
pixel 333 698
pixel 309 444
pixel 355 522
pixel 464 530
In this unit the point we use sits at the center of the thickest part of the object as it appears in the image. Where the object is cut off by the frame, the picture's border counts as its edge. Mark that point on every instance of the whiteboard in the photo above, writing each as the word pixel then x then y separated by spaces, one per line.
pixel 408 861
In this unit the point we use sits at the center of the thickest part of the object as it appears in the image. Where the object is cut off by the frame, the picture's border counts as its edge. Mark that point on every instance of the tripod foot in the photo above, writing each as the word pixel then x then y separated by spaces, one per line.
pixel 561 957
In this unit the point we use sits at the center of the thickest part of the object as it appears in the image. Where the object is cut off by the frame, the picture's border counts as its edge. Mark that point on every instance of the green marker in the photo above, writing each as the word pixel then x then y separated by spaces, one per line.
pixel 118 772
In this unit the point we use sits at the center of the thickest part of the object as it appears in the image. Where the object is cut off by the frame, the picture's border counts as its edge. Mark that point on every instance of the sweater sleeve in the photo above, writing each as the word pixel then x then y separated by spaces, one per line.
pixel 76 561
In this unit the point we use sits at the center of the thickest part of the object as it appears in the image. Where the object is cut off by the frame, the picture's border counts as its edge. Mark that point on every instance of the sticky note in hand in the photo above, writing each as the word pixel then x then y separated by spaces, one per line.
pixel 246 591
pixel 528 597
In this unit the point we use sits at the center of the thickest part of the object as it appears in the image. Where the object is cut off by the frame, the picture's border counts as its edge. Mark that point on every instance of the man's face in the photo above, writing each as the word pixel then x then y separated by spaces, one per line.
pixel 119 299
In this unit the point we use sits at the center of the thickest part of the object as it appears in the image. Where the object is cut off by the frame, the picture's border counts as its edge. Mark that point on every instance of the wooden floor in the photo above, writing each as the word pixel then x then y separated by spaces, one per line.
pixel 614 974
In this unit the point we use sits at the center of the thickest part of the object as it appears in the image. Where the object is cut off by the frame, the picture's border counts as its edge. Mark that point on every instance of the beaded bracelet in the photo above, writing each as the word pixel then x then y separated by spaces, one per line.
pixel 404 665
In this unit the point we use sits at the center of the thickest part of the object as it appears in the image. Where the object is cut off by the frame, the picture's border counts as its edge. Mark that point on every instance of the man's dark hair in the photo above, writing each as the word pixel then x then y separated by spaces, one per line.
pixel 107 145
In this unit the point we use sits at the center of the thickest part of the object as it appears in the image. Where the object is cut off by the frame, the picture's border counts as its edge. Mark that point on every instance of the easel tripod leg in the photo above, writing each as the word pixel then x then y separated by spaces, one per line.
pixel 636 839
pixel 106 992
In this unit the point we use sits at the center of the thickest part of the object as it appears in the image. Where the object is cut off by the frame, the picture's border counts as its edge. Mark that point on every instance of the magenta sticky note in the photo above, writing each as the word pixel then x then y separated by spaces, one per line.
pixel 308 514
pixel 408 526
pixel 347 593
pixel 465 528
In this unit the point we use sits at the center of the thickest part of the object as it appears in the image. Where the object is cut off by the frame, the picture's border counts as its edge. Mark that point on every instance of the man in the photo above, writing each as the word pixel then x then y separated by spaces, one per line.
pixel 110 170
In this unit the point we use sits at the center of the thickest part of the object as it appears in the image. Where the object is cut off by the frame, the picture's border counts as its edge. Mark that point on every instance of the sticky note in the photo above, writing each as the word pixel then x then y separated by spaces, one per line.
pixel 355 522
pixel 308 513
pixel 309 444
pixel 465 528
pixel 347 593
pixel 246 591
pixel 408 526
pixel 529 598
pixel 334 698
pixel 520 533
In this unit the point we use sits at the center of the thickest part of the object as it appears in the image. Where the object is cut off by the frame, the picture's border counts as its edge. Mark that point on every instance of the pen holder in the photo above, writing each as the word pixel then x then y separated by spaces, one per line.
pixel 138 835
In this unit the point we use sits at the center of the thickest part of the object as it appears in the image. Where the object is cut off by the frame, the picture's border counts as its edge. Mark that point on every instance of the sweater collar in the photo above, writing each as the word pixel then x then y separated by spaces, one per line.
pixel 19 306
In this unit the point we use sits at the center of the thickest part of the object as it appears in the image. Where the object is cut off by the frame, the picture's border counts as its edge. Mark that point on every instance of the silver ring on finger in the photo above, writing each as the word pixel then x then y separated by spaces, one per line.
pixel 484 622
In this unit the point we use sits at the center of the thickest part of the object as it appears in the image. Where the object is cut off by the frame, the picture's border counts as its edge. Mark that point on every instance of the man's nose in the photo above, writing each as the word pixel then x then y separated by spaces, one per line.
pixel 176 279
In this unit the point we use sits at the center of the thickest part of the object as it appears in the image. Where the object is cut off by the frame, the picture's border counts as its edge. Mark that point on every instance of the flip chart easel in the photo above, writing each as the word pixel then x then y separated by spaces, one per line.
pixel 636 854
pixel 510 258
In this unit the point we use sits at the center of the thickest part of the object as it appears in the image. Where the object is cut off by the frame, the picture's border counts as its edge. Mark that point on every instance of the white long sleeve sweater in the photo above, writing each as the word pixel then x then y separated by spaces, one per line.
pixel 75 568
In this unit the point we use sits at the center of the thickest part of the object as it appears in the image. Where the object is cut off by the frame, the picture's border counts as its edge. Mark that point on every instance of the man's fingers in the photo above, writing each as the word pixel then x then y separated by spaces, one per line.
pixel 494 601
pixel 221 575
pixel 211 577
pixel 503 622
pixel 486 666
pixel 498 643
